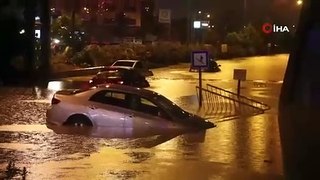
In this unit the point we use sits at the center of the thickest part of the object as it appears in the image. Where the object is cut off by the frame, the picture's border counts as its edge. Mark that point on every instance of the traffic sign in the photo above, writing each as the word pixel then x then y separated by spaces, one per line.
pixel 165 16
pixel 240 74
pixel 200 59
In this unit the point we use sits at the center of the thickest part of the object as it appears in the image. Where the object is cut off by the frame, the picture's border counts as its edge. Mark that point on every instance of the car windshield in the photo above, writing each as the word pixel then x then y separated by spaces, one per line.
pixel 171 107
pixel 124 63
pixel 71 91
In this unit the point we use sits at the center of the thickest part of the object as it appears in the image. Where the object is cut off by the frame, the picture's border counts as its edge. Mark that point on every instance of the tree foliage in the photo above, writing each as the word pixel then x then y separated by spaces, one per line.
pixel 61 28
pixel 247 41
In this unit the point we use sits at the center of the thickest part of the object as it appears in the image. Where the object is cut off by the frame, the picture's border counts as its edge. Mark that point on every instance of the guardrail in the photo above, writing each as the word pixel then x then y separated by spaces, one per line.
pixel 221 103
pixel 78 72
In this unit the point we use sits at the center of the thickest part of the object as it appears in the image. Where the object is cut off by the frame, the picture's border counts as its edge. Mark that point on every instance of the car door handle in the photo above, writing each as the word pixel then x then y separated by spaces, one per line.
pixel 92 107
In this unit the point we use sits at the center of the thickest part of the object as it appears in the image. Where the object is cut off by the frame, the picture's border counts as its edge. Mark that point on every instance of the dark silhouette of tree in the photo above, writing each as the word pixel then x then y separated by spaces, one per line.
pixel 17 34
pixel 11 41
pixel 121 24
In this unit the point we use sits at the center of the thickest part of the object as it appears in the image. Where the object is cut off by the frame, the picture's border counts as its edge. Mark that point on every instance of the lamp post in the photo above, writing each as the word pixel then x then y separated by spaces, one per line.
pixel 244 13
pixel 189 23
pixel 29 14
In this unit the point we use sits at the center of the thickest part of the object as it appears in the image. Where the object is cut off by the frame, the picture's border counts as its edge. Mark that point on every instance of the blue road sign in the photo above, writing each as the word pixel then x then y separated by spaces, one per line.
pixel 200 59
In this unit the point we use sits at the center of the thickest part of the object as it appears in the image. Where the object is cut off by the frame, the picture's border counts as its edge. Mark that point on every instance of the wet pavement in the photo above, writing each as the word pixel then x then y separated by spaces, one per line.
pixel 245 148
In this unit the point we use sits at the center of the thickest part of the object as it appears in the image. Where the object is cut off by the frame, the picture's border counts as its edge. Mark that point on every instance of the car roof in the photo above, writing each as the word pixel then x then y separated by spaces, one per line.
pixel 127 89
pixel 117 68
pixel 127 60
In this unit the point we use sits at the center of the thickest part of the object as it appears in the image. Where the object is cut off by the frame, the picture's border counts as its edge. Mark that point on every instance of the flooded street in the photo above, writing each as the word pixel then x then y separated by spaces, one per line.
pixel 244 148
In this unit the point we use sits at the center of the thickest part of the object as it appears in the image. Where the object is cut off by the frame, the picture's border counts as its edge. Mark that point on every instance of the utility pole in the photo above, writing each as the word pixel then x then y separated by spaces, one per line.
pixel 30 13
pixel 244 13
pixel 189 23
pixel 73 23
pixel 45 39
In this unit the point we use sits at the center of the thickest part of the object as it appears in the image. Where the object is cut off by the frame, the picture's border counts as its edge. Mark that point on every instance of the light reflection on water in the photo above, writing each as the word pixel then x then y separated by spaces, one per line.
pixel 245 144
pixel 232 144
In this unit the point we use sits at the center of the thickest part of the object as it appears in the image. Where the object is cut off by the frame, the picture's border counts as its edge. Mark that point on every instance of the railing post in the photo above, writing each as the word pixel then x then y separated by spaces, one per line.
pixel 200 87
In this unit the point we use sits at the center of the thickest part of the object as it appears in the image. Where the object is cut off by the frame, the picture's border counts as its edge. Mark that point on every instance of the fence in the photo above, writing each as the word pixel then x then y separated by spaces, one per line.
pixel 220 103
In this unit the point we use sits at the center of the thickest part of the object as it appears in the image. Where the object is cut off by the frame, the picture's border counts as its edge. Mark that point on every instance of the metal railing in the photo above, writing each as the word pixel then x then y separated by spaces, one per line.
pixel 221 103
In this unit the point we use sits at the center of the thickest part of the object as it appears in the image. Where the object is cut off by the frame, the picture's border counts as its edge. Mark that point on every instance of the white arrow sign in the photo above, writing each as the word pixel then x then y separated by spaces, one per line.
pixel 200 59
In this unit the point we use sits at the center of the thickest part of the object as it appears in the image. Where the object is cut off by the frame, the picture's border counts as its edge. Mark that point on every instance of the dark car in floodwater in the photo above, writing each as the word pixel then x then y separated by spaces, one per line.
pixel 120 75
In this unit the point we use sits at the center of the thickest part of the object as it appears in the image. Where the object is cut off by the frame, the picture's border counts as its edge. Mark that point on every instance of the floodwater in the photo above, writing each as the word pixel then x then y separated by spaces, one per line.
pixel 244 148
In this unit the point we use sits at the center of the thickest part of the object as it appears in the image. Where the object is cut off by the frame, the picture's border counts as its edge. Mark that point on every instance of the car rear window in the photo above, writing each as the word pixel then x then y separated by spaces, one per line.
pixel 124 63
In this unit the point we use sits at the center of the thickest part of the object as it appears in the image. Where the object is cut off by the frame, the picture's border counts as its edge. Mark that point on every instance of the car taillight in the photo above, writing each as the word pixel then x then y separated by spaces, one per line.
pixel 55 101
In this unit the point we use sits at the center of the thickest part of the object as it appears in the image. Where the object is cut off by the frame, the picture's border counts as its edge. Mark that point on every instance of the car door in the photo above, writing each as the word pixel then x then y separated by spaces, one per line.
pixel 106 108
pixel 146 115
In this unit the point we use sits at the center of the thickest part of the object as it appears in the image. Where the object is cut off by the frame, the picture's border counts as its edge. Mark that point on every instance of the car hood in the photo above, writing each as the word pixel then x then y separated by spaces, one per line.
pixel 199 122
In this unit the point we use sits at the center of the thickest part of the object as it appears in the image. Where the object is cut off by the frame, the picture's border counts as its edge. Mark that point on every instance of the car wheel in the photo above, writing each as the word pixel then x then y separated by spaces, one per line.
pixel 78 120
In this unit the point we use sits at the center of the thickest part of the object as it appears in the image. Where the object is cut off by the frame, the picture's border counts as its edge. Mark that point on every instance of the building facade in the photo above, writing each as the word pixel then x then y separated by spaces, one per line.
pixel 104 18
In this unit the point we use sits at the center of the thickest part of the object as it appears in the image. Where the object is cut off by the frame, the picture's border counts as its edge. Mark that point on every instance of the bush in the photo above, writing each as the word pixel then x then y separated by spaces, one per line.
pixel 82 59
pixel 98 56
pixel 164 53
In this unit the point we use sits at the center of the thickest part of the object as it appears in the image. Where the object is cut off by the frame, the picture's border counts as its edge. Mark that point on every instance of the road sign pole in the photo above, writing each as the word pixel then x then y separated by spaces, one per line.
pixel 239 86
pixel 200 60
pixel 200 87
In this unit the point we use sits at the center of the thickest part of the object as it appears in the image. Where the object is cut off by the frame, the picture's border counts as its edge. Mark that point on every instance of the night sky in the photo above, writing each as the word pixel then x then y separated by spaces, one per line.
pixel 256 9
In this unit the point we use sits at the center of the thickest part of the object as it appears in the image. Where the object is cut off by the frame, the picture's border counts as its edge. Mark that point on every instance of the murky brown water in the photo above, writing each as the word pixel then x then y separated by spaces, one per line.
pixel 247 148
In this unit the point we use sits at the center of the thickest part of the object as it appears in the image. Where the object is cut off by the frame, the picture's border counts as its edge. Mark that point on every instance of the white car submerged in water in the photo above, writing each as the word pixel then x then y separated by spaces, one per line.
pixel 119 106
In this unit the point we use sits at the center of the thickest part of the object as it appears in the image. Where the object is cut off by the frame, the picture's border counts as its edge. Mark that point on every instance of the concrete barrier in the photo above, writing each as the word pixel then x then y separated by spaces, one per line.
pixel 78 72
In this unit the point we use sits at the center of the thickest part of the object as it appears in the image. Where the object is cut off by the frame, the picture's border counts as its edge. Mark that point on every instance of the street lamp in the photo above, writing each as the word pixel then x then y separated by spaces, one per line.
pixel 199 12
pixel 299 2
pixel 208 15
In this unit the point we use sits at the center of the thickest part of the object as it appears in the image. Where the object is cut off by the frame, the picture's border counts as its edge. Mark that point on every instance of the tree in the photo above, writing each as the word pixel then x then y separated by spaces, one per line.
pixel 247 37
pixel 247 41
pixel 233 38
pixel 12 42
pixel 250 37
pixel 61 29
